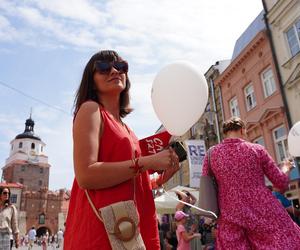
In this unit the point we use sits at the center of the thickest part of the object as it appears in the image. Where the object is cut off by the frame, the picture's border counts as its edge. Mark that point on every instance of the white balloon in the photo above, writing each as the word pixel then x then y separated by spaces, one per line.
pixel 179 96
pixel 294 140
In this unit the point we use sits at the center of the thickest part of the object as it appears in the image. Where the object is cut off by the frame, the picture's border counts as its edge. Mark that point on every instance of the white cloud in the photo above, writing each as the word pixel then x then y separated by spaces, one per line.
pixel 194 26
pixel 7 31
pixel 78 10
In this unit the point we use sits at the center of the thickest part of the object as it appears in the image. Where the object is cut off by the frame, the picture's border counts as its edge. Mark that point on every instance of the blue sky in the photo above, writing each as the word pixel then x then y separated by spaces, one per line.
pixel 44 46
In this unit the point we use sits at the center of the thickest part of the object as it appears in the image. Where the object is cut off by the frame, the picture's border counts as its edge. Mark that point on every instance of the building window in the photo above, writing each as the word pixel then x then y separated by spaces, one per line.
pixel 250 97
pixel 20 144
pixel 293 187
pixel 234 108
pixel 268 82
pixel 42 219
pixel 41 170
pixel 23 168
pixel 260 141
pixel 42 148
pixel 289 195
pixel 40 183
pixel 32 146
pixel 21 180
pixel 280 140
pixel 12 146
pixel 293 38
pixel 13 198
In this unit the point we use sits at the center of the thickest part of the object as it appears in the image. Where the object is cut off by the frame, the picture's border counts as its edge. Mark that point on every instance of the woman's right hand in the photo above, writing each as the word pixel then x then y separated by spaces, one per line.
pixel 162 160
pixel 287 166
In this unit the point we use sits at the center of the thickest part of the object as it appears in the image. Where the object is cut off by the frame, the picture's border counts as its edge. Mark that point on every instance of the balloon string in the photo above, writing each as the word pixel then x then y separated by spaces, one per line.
pixel 190 205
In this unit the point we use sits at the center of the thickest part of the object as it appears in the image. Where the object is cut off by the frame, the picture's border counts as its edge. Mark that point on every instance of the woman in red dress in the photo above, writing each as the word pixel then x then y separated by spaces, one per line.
pixel 105 151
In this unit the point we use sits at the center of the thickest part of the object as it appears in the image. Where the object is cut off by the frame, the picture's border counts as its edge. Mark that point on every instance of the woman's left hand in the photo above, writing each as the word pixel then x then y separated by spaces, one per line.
pixel 168 173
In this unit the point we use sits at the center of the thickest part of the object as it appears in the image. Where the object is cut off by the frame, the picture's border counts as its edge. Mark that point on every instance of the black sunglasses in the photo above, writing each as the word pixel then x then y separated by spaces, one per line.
pixel 105 67
pixel 5 192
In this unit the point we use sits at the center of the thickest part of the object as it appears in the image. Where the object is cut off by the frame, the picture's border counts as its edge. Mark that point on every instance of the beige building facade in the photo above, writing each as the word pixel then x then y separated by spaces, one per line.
pixel 283 18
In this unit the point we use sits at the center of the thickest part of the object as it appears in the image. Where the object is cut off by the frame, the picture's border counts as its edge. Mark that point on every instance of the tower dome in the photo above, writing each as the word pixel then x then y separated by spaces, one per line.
pixel 29 131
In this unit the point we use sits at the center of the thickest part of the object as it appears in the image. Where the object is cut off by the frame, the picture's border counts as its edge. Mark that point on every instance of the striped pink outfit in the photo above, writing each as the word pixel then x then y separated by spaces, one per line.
pixel 251 218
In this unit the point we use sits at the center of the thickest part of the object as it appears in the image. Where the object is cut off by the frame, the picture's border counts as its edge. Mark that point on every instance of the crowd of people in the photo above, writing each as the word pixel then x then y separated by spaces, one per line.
pixel 175 234
pixel 9 229
pixel 45 240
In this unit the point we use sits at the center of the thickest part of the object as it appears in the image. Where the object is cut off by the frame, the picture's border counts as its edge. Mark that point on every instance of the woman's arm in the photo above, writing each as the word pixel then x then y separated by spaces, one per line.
pixel 14 225
pixel 92 174
pixel 192 199
pixel 188 237
pixel 279 178
pixel 183 197
pixel 164 176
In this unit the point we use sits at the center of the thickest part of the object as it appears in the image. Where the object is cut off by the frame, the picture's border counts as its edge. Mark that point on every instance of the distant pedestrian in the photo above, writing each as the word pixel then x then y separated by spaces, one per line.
pixel 44 242
pixel 183 236
pixel 31 237
pixel 60 238
pixel 8 220
pixel 251 217
pixel 191 223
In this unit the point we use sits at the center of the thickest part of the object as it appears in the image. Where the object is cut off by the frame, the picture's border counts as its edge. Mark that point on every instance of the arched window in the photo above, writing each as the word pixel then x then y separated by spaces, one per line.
pixel 20 144
pixel 32 146
pixel 42 219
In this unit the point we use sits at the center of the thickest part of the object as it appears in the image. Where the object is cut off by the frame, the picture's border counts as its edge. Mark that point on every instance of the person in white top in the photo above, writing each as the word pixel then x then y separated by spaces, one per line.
pixel 31 237
pixel 8 220
pixel 60 237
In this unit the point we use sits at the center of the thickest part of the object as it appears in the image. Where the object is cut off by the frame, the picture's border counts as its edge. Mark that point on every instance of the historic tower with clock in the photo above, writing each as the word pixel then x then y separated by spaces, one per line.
pixel 27 164
pixel 27 168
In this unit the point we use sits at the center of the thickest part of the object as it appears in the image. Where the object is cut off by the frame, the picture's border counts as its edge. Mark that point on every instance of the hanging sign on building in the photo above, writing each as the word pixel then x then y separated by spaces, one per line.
pixel 196 151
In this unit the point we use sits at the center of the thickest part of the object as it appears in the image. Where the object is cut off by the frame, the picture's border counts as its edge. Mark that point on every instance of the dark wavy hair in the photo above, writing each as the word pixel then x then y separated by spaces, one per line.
pixel 1 190
pixel 87 91
pixel 233 124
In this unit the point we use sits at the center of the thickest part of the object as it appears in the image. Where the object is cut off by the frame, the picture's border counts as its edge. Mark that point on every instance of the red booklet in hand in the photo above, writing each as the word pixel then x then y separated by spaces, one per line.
pixel 154 143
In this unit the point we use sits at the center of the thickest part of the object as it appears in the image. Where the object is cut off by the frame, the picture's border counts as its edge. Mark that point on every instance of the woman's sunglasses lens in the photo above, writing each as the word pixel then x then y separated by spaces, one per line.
pixel 103 67
pixel 122 67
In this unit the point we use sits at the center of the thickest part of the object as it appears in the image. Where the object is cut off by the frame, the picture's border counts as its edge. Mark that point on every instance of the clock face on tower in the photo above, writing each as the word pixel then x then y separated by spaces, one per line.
pixel 33 156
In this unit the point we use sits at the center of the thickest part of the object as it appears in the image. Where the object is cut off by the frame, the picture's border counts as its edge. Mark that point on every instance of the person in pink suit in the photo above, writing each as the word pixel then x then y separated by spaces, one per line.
pixel 250 216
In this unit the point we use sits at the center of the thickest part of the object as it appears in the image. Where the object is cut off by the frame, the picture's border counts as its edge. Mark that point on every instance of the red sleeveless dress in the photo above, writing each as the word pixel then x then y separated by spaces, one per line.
pixel 84 231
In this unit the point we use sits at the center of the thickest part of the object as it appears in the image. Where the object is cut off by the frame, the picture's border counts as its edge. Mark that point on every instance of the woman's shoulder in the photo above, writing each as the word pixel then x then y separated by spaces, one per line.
pixel 254 146
pixel 88 108
pixel 12 206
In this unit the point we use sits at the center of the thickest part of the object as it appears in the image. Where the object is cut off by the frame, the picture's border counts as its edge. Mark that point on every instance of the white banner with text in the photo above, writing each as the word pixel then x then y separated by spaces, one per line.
pixel 196 151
